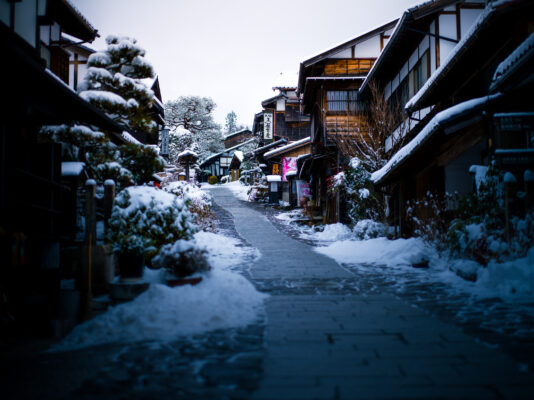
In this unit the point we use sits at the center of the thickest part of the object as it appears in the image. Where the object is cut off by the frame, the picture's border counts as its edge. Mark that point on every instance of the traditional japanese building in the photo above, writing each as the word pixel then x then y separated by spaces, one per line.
pixel 236 138
pixel 32 191
pixel 464 88
pixel 328 86
pixel 219 164
pixel 281 116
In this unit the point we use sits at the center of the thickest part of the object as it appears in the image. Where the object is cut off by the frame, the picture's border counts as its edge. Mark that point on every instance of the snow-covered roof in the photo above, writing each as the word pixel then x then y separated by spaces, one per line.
pixel 227 150
pixel 428 131
pixel 129 138
pixel 239 155
pixel 510 63
pixel 237 133
pixel 187 153
pixel 483 21
pixel 72 168
pixel 287 147
pixel 274 178
pixel 270 145
pixel 286 80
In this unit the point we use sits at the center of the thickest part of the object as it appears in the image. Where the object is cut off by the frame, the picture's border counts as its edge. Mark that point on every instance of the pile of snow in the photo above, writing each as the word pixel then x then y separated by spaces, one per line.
pixel 379 251
pixel 188 191
pixel 511 280
pixel 327 233
pixel 224 299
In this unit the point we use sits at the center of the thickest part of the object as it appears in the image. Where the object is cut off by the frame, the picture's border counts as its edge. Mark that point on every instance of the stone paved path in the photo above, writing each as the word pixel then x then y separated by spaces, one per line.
pixel 338 343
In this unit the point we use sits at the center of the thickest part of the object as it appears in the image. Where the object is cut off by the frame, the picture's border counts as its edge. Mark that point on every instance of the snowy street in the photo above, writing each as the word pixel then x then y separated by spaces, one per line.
pixel 327 332
pixel 332 333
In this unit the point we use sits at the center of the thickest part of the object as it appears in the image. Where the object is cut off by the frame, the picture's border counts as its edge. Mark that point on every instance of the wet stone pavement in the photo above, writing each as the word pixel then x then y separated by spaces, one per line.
pixel 333 332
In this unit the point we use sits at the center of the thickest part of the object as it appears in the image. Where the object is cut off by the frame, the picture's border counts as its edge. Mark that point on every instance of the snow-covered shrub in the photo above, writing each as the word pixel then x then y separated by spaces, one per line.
pixel 182 258
pixel 259 191
pixel 225 179
pixel 363 202
pixel 366 229
pixel 143 161
pixel 430 219
pixel 198 201
pixel 148 218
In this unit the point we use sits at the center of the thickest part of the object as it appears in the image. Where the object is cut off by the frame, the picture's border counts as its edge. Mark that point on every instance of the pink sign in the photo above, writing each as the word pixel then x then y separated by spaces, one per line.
pixel 289 164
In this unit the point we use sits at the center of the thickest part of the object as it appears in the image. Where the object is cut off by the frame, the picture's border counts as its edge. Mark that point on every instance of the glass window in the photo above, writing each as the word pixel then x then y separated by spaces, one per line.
pixel 342 100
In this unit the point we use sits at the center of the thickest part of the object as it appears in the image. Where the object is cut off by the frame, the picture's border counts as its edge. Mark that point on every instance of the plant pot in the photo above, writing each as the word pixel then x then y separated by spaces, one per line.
pixel 130 266
pixel 421 264
pixel 173 282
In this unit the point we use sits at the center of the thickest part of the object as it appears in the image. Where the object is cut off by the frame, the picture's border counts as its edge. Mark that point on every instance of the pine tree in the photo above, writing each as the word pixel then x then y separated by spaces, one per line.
pixel 230 125
pixel 114 83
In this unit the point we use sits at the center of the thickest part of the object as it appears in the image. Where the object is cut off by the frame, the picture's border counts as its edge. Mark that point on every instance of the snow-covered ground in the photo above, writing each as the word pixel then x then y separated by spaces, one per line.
pixel 224 299
pixel 501 298
pixel 239 190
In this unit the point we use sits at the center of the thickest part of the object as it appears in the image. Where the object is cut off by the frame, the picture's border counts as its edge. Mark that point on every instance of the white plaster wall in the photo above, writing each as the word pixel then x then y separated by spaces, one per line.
pixel 369 48
pixel 346 53
pixel 26 20
pixel 4 12
pixel 467 18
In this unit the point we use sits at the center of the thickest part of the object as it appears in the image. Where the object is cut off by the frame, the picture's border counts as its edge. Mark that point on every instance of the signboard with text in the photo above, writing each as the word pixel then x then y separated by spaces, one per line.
pixel 164 142
pixel 268 125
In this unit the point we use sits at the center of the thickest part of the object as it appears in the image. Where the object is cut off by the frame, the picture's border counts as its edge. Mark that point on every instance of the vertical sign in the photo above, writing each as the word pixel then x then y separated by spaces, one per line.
pixel 268 122
pixel 164 142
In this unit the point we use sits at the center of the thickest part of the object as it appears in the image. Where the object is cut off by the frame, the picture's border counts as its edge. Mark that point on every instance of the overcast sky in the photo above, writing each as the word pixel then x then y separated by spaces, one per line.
pixel 232 51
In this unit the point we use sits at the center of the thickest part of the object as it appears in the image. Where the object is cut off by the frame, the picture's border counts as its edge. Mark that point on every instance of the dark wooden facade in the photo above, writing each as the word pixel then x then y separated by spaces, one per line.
pixel 485 117
pixel 328 87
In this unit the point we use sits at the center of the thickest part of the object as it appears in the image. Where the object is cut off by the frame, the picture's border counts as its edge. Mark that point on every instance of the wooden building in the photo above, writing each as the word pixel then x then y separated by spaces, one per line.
pixel 470 106
pixel 285 159
pixel 219 164
pixel 328 86
pixel 32 193
pixel 282 113
pixel 236 138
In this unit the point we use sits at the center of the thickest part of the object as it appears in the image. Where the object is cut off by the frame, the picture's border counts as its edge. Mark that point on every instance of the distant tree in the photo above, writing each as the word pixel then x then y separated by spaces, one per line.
pixel 193 113
pixel 230 125
pixel 192 127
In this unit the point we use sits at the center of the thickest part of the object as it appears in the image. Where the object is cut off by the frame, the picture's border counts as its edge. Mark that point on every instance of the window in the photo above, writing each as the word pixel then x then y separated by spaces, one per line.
pixel 419 74
pixel 342 100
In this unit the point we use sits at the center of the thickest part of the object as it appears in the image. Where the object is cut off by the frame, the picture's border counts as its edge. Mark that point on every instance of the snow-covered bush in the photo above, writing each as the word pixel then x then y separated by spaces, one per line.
pixel 225 179
pixel 147 218
pixel 198 201
pixel 355 181
pixel 430 219
pixel 259 191
pixel 366 229
pixel 182 258
pixel 143 161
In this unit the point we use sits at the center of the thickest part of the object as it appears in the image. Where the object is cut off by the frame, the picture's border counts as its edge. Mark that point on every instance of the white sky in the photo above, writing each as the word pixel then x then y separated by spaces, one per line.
pixel 233 50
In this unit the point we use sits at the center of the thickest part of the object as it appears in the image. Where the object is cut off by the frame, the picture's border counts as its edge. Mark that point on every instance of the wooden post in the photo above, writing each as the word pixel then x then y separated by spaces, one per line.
pixel 90 241
pixel 109 197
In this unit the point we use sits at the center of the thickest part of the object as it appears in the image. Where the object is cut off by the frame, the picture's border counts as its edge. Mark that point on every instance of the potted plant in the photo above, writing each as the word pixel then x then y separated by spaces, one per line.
pixel 142 221
pixel 130 256
pixel 184 260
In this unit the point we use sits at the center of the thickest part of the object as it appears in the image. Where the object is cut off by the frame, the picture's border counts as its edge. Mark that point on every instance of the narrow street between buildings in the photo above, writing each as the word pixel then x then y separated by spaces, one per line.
pixel 326 337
